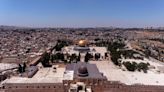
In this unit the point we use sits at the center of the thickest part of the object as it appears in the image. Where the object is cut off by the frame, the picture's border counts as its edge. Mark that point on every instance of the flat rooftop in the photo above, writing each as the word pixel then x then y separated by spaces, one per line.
pixel 113 73
pixel 68 75
pixel 44 75
pixel 6 66
pixel 50 73
pixel 92 70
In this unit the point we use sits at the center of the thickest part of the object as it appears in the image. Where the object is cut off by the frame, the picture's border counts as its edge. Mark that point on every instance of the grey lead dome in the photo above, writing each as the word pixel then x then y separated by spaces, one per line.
pixel 82 71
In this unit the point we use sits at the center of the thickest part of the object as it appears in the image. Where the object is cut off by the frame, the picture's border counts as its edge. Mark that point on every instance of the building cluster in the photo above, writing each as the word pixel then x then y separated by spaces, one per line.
pixel 27 55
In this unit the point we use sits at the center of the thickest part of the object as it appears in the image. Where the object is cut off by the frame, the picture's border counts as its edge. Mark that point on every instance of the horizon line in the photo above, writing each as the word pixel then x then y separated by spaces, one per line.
pixel 18 26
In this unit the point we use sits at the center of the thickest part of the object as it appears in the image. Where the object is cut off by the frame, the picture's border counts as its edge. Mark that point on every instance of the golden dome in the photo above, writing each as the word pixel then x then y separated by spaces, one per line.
pixel 82 43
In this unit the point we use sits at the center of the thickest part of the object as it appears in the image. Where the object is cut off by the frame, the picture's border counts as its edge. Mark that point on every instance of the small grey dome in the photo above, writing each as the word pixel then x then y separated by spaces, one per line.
pixel 82 71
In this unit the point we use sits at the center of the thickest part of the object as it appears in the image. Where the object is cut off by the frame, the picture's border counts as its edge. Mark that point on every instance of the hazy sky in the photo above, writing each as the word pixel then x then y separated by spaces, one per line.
pixel 82 13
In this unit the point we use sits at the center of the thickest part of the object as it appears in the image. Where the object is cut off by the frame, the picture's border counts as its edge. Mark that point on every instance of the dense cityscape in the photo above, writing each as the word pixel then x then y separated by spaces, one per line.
pixel 74 59
pixel 81 46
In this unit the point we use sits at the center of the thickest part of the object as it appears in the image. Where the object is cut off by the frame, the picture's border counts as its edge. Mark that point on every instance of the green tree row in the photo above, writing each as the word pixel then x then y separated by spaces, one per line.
pixel 134 66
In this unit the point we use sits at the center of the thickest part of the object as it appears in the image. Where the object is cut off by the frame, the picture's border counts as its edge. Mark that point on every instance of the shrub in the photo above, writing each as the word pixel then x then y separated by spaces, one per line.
pixel 134 66
pixel 130 66
pixel 143 66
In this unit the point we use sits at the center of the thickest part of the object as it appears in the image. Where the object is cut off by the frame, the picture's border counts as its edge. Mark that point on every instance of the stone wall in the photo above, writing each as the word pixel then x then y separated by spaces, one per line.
pixel 45 87
pixel 118 87
pixel 96 87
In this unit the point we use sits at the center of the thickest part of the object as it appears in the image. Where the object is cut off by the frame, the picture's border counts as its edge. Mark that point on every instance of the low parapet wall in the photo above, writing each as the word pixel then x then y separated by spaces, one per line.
pixel 119 87
pixel 34 87
pixel 100 87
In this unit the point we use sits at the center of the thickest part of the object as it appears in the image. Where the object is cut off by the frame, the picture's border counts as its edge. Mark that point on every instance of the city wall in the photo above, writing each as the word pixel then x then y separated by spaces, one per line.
pixel 102 87
pixel 43 87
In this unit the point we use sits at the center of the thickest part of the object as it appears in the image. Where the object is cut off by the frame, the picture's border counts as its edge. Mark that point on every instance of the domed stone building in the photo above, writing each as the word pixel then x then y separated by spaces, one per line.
pixel 82 46
pixel 82 43
pixel 85 71
pixel 82 71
